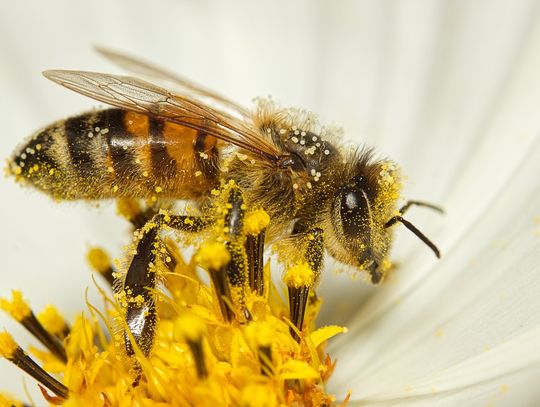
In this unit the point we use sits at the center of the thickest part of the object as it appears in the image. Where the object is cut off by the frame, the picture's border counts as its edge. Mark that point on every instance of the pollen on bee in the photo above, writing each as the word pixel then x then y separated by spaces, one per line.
pixel 198 173
pixel 110 169
pixel 158 189
pixel 145 173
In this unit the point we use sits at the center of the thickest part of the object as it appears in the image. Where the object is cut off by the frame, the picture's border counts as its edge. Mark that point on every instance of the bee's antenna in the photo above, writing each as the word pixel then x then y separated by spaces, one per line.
pixel 417 232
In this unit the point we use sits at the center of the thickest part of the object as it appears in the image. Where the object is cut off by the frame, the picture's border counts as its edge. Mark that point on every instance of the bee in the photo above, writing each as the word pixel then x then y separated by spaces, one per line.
pixel 179 141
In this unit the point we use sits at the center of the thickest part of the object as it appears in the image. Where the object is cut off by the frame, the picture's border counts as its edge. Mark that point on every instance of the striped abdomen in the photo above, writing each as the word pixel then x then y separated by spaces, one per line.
pixel 115 153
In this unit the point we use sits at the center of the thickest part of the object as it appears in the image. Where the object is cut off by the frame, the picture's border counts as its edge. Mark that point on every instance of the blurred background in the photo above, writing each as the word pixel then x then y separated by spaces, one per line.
pixel 443 87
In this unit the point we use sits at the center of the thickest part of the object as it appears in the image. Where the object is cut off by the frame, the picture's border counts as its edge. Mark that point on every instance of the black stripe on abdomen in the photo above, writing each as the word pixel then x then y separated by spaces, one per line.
pixel 120 142
pixel 79 132
pixel 163 165
pixel 209 165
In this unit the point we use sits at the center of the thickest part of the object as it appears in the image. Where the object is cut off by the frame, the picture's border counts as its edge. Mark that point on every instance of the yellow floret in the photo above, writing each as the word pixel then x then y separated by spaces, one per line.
pixel 8 346
pixel 6 400
pixel 18 308
pixel 256 395
pixel 260 333
pixel 98 259
pixel 256 221
pixel 52 320
pixel 299 275
pixel 189 327
pixel 213 256
pixel 128 208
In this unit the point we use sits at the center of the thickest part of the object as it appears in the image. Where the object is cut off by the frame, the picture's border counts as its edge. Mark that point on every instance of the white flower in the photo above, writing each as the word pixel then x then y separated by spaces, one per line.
pixel 449 89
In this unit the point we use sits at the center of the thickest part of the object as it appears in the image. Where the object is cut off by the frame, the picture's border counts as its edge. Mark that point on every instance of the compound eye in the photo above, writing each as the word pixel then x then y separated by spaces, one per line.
pixel 354 208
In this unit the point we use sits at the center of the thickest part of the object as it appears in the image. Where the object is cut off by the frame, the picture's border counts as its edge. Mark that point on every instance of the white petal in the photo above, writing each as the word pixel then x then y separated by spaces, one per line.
pixel 424 337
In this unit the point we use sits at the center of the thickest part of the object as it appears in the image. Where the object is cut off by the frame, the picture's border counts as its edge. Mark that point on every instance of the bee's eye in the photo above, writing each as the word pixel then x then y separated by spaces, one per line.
pixel 354 207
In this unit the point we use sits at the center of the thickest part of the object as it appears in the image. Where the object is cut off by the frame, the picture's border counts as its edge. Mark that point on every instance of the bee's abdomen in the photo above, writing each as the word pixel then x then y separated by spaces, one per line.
pixel 115 153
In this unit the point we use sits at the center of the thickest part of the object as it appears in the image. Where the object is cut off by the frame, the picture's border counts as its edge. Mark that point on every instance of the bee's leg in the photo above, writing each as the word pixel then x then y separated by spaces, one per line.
pixel 236 269
pixel 408 204
pixel 301 278
pixel 140 279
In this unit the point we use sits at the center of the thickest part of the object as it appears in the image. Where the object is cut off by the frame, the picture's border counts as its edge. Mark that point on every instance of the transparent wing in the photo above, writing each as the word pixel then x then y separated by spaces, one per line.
pixel 144 97
pixel 184 85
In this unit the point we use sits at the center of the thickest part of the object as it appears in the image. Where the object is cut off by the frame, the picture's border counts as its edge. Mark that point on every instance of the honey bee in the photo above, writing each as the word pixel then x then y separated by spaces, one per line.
pixel 180 141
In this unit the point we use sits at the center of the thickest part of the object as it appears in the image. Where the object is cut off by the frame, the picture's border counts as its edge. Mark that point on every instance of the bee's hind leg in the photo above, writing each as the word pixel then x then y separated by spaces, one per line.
pixel 140 281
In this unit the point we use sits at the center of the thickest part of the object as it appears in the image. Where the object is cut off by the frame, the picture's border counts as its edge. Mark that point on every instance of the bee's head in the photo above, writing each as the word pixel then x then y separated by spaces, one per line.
pixel 362 206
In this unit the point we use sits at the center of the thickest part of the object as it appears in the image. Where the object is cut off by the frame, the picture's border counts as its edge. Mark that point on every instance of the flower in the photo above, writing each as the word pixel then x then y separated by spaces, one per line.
pixel 447 89
pixel 218 344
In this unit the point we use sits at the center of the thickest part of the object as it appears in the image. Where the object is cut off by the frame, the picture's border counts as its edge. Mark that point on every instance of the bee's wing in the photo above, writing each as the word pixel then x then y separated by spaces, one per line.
pixel 184 85
pixel 140 96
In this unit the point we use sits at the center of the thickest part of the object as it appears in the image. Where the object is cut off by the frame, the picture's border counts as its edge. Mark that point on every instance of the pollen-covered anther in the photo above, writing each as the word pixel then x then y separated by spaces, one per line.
pixel 256 221
pixel 53 321
pixel 10 350
pixel 299 278
pixel 261 335
pixel 192 329
pixel 214 257
pixel 101 263
pixel 19 309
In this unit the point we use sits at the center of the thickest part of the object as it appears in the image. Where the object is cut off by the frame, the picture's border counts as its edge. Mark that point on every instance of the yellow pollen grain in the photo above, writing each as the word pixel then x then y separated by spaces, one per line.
pixel 213 256
pixel 110 169
pixel 198 173
pixel 38 147
pixel 115 188
pixel 18 308
pixel 8 346
pixel 52 171
pixel 145 173
pixel 158 189
pixel 299 275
